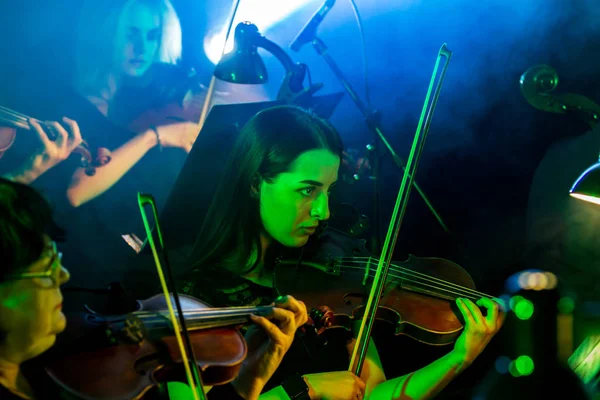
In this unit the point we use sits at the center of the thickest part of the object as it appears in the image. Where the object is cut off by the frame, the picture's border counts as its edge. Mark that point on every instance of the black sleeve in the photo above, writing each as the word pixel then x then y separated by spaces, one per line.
pixel 6 394
pixel 224 392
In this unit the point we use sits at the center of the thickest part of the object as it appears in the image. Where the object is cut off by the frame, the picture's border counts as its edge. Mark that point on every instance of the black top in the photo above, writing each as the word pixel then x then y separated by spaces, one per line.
pixel 308 354
pixel 42 385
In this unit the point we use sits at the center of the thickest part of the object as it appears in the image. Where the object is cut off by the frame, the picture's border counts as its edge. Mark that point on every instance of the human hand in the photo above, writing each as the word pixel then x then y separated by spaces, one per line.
pixel 179 134
pixel 340 385
pixel 267 344
pixel 54 151
pixel 478 330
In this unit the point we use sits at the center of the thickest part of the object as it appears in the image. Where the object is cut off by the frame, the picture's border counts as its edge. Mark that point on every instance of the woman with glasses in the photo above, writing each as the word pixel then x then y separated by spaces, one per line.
pixel 30 280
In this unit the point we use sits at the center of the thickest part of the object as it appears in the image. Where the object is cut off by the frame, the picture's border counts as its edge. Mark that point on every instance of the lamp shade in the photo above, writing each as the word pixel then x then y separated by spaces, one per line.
pixel 243 64
pixel 587 186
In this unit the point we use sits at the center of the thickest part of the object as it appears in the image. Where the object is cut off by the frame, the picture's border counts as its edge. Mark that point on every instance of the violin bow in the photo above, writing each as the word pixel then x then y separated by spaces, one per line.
pixel 185 346
pixel 364 334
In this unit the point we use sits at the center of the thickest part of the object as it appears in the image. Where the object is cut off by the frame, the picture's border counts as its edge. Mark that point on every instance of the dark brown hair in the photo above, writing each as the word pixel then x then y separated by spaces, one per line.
pixel 265 147
pixel 25 217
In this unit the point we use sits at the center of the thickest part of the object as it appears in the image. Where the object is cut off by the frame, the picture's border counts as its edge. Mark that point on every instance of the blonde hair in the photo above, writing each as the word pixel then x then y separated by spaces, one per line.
pixel 98 25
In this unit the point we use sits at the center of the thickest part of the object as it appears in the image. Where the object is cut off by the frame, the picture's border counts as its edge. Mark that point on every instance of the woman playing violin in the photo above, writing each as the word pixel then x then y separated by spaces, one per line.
pixel 31 304
pixel 123 47
pixel 274 195
pixel 127 66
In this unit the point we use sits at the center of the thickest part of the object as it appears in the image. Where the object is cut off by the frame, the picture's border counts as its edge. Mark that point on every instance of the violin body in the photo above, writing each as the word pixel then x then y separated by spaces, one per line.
pixel 7 138
pixel 339 271
pixel 124 358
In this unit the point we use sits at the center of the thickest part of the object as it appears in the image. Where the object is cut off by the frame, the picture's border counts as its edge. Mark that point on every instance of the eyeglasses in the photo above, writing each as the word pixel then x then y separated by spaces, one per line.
pixel 50 277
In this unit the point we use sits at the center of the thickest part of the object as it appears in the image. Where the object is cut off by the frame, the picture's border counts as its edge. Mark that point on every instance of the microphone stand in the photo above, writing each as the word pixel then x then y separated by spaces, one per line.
pixel 372 120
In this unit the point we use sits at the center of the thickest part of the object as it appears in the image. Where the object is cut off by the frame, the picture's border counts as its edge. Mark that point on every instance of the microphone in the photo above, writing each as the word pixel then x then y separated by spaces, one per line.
pixel 307 33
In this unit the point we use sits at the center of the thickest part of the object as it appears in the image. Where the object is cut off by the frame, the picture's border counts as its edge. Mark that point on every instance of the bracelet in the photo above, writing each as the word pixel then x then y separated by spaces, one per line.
pixel 153 128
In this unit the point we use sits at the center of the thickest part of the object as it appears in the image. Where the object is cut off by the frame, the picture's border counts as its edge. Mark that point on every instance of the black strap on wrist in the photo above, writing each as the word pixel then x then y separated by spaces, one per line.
pixel 296 388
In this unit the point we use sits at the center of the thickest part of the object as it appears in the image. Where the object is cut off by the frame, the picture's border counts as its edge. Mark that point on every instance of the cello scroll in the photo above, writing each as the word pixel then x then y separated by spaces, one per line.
pixel 538 84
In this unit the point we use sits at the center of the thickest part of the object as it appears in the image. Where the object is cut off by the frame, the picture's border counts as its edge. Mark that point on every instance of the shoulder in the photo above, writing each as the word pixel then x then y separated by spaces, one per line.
pixel 35 372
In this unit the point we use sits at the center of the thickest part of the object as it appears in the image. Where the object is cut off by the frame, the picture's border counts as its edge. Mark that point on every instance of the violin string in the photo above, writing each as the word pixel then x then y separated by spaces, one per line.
pixel 439 289
pixel 18 119
pixel 154 321
pixel 211 312
pixel 396 268
pixel 450 287
pixel 14 113
pixel 205 317
pixel 17 122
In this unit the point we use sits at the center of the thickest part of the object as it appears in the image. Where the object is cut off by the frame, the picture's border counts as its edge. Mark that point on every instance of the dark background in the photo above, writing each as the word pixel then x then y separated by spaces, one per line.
pixel 485 141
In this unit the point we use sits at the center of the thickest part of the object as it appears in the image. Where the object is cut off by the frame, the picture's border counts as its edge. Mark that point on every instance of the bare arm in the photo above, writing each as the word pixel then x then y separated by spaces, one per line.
pixel 84 188
pixel 339 385
pixel 430 380
pixel 26 173
pixel 424 383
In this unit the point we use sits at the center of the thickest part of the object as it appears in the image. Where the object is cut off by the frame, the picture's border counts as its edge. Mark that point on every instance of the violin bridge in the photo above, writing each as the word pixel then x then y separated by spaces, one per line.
pixel 132 331
pixel 331 268
pixel 366 274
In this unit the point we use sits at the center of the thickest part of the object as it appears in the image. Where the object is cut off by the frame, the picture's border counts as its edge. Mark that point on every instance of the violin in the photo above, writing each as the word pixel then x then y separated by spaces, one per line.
pixel 418 299
pixel 16 120
pixel 124 356
pixel 178 97
pixel 537 85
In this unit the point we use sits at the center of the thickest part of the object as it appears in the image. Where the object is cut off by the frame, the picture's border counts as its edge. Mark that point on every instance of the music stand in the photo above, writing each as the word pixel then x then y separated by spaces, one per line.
pixel 183 213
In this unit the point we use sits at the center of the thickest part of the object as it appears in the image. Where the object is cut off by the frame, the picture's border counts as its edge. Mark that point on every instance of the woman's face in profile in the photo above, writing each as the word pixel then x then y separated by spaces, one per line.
pixel 31 308
pixel 292 205
pixel 137 40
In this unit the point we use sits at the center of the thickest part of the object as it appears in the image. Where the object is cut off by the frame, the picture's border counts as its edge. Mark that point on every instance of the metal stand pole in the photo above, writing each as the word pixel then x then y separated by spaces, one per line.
pixel 372 120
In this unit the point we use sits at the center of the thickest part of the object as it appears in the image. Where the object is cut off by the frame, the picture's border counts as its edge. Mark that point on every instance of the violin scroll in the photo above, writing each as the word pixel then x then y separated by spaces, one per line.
pixel 537 85
pixel 322 318
pixel 89 162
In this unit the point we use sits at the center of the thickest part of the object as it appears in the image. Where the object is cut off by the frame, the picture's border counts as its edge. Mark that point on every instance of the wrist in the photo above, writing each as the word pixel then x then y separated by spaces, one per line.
pixel 459 360
pixel 154 130
pixel 149 138
pixel 28 173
